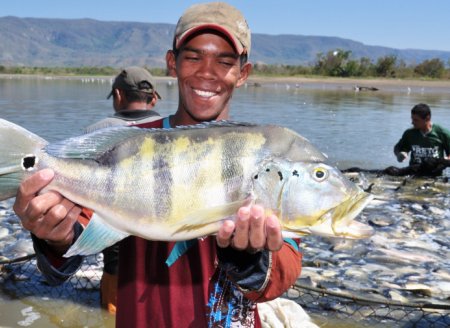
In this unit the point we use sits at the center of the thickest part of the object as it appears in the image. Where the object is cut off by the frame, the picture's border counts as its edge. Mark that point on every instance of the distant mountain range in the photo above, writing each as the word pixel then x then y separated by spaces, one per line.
pixel 88 42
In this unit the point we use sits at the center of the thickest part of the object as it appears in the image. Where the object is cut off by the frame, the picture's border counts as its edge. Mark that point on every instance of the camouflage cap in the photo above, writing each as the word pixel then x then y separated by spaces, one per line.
pixel 218 16
pixel 135 78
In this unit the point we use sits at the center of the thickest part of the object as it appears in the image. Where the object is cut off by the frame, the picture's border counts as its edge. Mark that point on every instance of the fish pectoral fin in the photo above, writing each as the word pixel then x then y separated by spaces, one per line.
pixel 96 237
pixel 208 216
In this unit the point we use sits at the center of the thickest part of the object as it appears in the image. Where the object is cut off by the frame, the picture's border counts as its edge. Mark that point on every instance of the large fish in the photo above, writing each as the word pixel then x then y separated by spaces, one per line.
pixel 181 183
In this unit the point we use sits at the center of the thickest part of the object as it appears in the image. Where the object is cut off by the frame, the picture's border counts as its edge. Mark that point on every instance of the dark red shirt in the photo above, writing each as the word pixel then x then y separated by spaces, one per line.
pixel 194 291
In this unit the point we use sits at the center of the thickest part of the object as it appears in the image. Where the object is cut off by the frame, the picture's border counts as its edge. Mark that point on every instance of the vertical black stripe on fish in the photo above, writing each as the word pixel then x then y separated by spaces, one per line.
pixel 162 178
pixel 120 182
pixel 232 170
pixel 110 160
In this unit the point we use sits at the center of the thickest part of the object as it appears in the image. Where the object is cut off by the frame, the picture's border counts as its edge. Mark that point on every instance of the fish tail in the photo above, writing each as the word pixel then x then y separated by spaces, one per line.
pixel 18 147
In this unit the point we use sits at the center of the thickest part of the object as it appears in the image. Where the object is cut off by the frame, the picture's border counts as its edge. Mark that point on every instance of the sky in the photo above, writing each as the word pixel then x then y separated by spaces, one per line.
pixel 401 24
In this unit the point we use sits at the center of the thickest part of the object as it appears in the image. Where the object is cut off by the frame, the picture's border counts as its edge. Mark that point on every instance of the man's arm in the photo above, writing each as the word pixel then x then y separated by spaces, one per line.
pixel 401 149
pixel 265 275
pixel 255 256
pixel 49 216
pixel 401 155
pixel 51 220
pixel 446 142
pixel 53 267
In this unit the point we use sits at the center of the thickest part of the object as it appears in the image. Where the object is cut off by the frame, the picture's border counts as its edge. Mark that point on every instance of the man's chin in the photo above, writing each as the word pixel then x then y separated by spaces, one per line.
pixel 208 116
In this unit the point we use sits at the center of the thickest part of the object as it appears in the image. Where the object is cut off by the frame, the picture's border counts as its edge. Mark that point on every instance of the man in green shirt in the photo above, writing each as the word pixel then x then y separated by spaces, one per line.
pixel 426 142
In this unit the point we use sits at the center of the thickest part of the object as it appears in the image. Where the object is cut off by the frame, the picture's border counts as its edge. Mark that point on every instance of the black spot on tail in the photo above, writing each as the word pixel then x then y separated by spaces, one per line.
pixel 295 173
pixel 29 162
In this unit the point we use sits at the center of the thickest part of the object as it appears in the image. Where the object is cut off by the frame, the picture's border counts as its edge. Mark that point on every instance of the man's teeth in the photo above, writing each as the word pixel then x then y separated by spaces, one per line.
pixel 204 93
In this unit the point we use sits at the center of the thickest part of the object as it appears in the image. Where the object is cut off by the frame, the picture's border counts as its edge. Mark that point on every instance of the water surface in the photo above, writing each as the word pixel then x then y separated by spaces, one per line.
pixel 352 128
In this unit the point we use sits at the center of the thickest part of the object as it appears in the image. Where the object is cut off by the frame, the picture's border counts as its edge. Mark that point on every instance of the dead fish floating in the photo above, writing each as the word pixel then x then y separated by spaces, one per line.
pixel 181 183
pixel 364 88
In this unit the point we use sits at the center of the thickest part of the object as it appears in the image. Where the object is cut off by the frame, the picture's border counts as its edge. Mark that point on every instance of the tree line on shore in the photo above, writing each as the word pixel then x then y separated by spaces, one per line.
pixel 336 63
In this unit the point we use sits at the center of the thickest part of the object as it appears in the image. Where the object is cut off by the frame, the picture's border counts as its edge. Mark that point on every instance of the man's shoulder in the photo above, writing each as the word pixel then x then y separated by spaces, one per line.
pixel 104 123
pixel 156 124
pixel 411 132
pixel 440 129
pixel 153 121
pixel 137 115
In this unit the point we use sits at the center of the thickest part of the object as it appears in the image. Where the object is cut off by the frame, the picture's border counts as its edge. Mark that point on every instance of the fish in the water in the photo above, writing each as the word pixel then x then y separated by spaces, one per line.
pixel 181 183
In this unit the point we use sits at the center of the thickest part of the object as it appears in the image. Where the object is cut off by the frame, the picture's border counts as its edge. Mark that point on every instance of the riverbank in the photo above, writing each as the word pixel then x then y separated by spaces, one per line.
pixel 355 83
pixel 295 81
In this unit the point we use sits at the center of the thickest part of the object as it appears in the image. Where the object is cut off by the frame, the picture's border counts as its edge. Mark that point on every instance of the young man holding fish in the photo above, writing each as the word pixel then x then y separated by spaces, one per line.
pixel 215 281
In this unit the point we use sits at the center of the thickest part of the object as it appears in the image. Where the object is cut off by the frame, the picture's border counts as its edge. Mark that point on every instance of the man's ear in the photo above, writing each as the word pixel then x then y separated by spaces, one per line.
pixel 171 63
pixel 119 95
pixel 245 72
pixel 120 100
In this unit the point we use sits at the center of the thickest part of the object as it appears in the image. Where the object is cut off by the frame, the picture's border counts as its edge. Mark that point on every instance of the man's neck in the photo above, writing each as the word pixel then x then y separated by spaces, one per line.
pixel 136 105
pixel 427 128
pixel 183 118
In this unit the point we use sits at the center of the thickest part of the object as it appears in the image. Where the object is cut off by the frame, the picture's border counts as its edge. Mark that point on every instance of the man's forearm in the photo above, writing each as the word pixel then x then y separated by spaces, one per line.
pixel 55 268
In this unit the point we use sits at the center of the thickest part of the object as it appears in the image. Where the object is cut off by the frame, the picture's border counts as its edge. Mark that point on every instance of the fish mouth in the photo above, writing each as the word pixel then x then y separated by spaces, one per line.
pixel 338 221
pixel 342 217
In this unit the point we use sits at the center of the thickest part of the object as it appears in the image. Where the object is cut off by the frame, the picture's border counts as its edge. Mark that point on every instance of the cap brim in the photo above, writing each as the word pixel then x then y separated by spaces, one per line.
pixel 236 43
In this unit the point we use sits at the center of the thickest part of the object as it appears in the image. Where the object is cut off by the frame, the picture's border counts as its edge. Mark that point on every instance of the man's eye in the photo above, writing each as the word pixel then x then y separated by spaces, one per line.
pixel 227 63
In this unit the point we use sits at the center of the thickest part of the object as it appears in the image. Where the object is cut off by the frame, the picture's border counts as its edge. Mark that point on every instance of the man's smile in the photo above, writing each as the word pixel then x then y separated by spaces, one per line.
pixel 204 93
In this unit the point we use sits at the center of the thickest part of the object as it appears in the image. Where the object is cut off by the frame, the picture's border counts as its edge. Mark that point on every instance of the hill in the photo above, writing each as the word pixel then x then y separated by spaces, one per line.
pixel 88 42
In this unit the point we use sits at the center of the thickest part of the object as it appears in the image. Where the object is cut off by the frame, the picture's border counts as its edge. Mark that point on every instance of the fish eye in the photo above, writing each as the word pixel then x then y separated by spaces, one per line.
pixel 320 174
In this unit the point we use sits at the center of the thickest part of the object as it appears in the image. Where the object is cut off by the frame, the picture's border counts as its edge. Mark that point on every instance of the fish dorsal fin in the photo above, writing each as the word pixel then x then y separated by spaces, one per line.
pixel 92 145
pixel 96 237
pixel 216 124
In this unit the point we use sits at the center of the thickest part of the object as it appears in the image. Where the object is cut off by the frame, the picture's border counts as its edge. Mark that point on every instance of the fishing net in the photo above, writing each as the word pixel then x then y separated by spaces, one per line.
pixel 20 278
pixel 368 311
pixel 75 303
